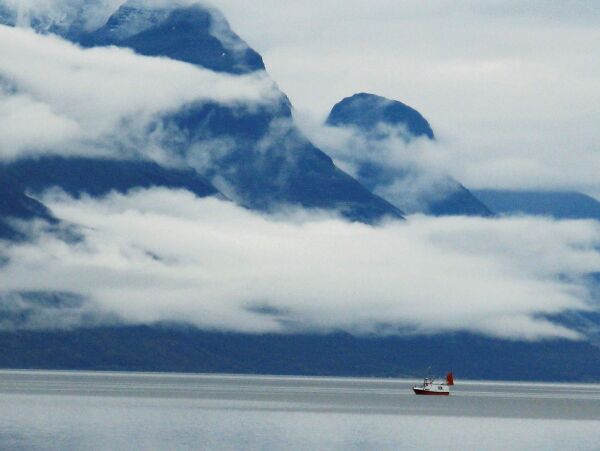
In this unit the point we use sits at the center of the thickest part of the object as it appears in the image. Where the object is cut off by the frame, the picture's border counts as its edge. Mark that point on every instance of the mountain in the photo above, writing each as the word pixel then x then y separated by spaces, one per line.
pixel 557 204
pixel 97 177
pixel 16 205
pixel 194 35
pixel 376 119
pixel 367 111
pixel 8 16
pixel 267 161
pixel 167 349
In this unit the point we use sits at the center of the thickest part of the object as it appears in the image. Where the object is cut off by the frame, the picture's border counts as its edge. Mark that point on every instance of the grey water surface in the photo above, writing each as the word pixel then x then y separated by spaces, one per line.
pixel 42 410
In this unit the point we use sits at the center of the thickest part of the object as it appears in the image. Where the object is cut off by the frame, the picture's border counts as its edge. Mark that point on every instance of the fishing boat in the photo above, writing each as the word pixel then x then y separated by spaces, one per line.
pixel 431 387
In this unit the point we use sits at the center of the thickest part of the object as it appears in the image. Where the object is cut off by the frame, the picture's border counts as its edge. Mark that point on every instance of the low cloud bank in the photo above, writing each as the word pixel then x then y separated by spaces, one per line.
pixel 56 98
pixel 162 255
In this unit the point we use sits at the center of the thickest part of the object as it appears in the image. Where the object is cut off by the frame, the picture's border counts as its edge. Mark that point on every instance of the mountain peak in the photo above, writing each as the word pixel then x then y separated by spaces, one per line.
pixel 190 33
pixel 410 188
pixel 366 111
pixel 180 29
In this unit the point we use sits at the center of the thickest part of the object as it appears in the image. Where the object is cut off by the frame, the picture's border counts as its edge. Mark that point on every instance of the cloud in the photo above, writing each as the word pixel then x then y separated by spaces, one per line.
pixel 18 112
pixel 508 87
pixel 49 311
pixel 58 98
pixel 409 176
pixel 161 255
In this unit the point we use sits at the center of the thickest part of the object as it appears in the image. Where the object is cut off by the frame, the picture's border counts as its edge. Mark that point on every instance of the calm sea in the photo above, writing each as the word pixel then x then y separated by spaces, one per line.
pixel 137 411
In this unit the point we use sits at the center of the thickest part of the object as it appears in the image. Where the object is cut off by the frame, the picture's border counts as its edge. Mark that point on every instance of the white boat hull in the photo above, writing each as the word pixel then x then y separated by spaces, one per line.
pixel 434 390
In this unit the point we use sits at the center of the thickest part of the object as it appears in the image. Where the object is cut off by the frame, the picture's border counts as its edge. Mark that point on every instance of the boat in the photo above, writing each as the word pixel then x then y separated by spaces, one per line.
pixel 431 387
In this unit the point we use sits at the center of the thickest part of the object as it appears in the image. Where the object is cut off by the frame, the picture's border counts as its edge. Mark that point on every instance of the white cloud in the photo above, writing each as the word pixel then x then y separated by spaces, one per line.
pixel 509 87
pixel 17 114
pixel 418 180
pixel 59 98
pixel 165 255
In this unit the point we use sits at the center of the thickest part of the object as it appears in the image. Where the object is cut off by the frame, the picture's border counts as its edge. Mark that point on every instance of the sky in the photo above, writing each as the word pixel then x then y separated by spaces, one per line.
pixel 509 87
pixel 511 101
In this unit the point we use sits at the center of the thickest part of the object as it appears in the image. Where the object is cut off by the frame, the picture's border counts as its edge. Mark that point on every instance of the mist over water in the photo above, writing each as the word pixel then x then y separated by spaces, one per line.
pixel 111 411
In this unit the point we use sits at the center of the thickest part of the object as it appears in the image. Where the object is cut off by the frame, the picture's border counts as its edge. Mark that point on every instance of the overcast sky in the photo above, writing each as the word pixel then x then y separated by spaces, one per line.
pixel 511 88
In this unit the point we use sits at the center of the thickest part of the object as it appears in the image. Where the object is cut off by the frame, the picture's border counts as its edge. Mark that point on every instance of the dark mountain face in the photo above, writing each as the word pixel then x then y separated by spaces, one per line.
pixel 261 159
pixel 560 205
pixel 193 35
pixel 460 201
pixel 15 204
pixel 367 111
pixel 268 161
pixel 7 17
pixel 184 349
pixel 97 177
pixel 377 118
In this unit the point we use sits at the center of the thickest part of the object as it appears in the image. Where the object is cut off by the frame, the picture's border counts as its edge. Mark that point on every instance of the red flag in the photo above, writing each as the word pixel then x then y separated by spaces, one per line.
pixel 449 379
